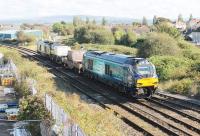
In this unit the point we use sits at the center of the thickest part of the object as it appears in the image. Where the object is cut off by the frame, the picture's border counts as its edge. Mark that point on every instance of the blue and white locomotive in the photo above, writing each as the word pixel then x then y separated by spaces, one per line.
pixel 136 76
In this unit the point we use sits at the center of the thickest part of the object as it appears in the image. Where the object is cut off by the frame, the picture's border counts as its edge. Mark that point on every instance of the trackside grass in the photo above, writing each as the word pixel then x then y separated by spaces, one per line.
pixel 93 122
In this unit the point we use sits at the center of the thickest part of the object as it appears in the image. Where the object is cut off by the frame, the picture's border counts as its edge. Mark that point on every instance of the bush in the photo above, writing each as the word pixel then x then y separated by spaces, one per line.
pixel 166 28
pixel 93 34
pixel 189 50
pixel 22 89
pixel 102 37
pixel 183 86
pixel 170 67
pixel 32 108
pixel 109 48
pixel 158 44
pixel 129 39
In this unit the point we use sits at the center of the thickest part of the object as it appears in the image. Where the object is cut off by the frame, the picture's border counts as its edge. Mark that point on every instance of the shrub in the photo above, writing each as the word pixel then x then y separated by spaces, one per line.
pixel 93 34
pixel 166 28
pixel 129 39
pixel 183 86
pixel 32 108
pixel 22 89
pixel 170 67
pixel 158 44
pixel 102 37
pixel 109 48
pixel 189 50
pixel 118 34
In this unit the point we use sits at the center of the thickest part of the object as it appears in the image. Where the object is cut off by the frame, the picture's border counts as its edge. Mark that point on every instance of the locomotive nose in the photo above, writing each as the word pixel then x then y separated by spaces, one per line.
pixel 147 82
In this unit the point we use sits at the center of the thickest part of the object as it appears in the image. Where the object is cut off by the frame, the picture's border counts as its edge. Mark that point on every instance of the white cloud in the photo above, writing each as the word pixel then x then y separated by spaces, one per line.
pixel 119 8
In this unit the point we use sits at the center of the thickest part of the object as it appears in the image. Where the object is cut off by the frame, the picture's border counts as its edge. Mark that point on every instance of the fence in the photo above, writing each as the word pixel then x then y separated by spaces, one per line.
pixel 65 126
pixel 62 119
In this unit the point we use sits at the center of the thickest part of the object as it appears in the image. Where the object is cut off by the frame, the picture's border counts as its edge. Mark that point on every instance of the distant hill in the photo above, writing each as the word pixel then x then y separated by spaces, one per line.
pixel 69 18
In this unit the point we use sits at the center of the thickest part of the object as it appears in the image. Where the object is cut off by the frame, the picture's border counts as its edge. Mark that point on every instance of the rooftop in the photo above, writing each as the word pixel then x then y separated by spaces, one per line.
pixel 15 31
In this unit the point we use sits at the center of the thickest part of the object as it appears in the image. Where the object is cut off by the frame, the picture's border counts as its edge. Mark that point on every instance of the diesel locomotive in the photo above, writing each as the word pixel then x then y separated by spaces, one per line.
pixel 134 76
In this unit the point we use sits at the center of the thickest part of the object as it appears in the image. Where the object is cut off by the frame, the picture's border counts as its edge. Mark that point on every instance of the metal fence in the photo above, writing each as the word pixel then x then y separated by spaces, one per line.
pixel 62 119
pixel 63 122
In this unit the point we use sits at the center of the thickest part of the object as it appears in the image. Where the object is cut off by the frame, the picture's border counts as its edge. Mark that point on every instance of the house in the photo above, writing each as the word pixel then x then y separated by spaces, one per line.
pixel 141 29
pixel 180 25
pixel 194 24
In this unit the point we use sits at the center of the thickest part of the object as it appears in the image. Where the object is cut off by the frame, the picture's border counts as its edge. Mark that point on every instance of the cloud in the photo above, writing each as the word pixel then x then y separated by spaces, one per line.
pixel 119 8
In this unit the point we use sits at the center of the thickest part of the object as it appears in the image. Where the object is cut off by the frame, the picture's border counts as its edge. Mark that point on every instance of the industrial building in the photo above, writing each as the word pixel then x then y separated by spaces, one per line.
pixel 12 34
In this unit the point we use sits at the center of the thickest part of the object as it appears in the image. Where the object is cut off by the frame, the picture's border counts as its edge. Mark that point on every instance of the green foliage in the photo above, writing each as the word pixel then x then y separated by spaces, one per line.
pixel 144 21
pixel 109 48
pixel 22 89
pixel 129 39
pixel 87 20
pixel 170 67
pixel 166 28
pixel 180 18
pixel 158 44
pixel 183 86
pixel 135 24
pixel 118 34
pixel 191 17
pixel 104 21
pixel 92 122
pixel 93 34
pixel 102 37
pixel 154 20
pixel 23 38
pixel 162 20
pixel 57 28
pixel 63 28
pixel 189 50
pixel 77 21
pixel 32 108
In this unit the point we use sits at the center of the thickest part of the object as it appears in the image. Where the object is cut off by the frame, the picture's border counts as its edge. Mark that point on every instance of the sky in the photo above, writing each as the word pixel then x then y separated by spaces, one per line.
pixel 25 9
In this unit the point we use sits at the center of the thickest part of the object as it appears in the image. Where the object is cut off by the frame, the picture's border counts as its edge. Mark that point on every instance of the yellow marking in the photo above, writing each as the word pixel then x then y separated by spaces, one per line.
pixel 147 82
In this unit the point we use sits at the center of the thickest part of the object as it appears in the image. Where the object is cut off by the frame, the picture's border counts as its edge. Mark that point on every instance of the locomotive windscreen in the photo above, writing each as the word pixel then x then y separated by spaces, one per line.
pixel 145 68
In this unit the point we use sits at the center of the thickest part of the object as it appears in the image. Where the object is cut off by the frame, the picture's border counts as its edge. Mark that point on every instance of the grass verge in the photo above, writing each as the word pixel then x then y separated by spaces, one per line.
pixel 93 122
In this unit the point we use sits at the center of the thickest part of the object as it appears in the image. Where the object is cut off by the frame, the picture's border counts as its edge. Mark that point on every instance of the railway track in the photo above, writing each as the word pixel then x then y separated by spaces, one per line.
pixel 183 103
pixel 163 125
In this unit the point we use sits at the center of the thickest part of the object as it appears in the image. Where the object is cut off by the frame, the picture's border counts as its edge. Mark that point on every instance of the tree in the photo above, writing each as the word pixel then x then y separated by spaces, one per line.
pixel 166 28
pixel 102 36
pixel 162 20
pixel 154 20
pixel 129 39
pixel 87 20
pixel 77 21
pixel 94 22
pixel 158 44
pixel 136 24
pixel 23 38
pixel 144 21
pixel 57 28
pixel 93 34
pixel 118 34
pixel 180 18
pixel 63 22
pixel 191 17
pixel 104 22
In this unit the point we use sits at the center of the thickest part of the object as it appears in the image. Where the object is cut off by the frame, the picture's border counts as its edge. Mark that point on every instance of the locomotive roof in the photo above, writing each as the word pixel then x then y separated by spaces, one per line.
pixel 118 58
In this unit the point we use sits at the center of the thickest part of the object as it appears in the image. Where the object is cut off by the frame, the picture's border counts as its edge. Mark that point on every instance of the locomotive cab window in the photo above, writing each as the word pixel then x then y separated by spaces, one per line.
pixel 90 64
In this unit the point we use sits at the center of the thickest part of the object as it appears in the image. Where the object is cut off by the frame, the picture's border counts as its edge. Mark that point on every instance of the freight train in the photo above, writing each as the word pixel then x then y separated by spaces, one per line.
pixel 134 76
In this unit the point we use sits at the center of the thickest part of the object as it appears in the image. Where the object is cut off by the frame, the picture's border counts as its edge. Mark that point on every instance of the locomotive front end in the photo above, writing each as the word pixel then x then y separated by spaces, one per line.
pixel 145 78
